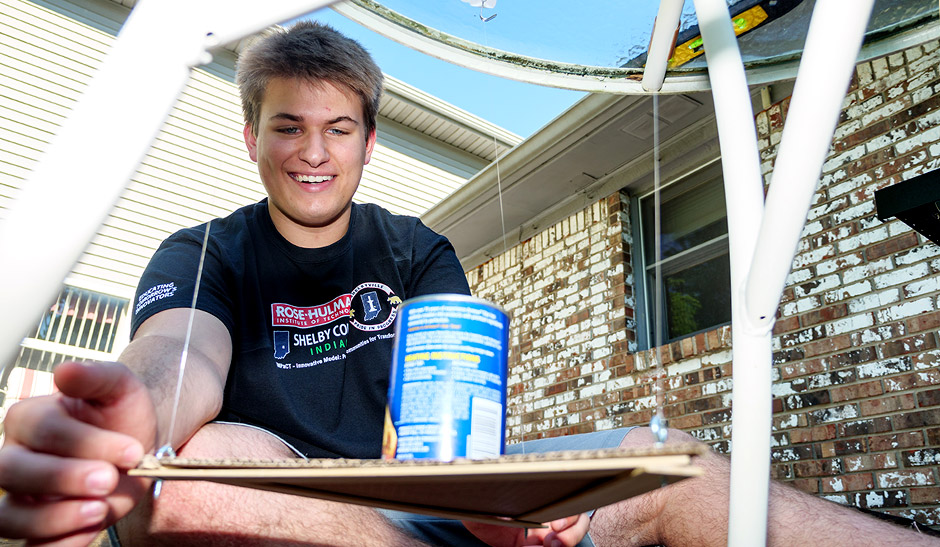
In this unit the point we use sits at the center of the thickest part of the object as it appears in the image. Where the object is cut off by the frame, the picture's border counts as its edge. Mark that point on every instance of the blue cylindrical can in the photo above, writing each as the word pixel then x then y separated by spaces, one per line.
pixel 447 390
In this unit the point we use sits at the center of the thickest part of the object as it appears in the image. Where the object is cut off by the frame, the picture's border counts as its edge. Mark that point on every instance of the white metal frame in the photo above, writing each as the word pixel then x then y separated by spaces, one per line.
pixel 764 235
pixel 140 83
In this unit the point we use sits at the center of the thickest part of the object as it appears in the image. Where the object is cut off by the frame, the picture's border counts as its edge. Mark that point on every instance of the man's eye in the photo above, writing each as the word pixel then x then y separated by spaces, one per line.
pixel 289 130
pixel 336 131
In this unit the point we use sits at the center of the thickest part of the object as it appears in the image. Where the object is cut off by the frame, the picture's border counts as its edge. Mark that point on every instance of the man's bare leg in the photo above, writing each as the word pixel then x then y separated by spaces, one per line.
pixel 204 513
pixel 695 512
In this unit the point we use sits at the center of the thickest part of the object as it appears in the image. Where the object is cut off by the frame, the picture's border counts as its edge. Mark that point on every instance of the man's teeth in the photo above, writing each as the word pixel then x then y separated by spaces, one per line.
pixel 310 178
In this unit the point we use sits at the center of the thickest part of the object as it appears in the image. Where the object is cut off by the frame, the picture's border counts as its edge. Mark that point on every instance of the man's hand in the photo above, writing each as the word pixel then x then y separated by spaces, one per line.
pixel 566 532
pixel 63 455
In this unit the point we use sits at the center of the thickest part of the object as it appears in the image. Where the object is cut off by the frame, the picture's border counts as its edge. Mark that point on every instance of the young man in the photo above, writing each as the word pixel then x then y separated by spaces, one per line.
pixel 289 353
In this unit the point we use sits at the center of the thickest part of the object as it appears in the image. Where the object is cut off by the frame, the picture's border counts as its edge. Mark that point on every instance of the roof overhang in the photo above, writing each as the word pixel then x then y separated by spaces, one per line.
pixel 602 144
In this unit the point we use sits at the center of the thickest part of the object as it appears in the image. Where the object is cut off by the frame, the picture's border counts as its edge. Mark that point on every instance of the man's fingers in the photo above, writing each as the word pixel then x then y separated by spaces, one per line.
pixel 94 381
pixel 24 472
pixel 561 524
pixel 43 425
pixel 21 517
pixel 567 532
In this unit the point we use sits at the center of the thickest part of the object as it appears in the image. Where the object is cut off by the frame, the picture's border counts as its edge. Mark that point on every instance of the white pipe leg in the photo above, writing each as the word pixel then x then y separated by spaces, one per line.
pixel 826 68
pixel 744 197
pixel 662 44
pixel 89 161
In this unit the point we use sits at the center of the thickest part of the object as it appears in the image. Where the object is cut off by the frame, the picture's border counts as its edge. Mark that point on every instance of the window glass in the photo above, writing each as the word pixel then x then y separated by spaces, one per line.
pixel 691 214
pixel 695 272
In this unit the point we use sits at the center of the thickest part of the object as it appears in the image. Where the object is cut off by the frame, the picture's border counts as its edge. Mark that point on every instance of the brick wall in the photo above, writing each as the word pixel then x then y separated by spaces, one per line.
pixel 567 291
pixel 856 375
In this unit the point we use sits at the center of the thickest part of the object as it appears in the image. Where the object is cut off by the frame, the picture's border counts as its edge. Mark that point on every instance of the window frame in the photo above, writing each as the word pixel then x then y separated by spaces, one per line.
pixel 642 265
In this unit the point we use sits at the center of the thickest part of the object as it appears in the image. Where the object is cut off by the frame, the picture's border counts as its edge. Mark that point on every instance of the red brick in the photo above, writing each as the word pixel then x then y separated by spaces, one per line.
pixel 906 439
pixel 891 246
pixel 687 422
pixel 925 495
pixel 904 478
pixel 687 394
pixel 788 324
pixel 830 449
pixel 818 468
pixel 933 436
pixel 928 398
pixel 915 379
pixel 930 359
pixel 865 134
pixel 700 342
pixel 848 483
pixel 687 347
pixel 810 486
pixel 865 427
pixel 865 462
pixel 827 345
pixel 869 162
pixel 855 391
pixel 851 358
pixel 824 314
pixel 919 343
pixel 781 472
pixel 578 405
pixel 818 433
pixel 641 417
pixel 887 404
pixel 802 368
pixel 910 420
pixel 924 321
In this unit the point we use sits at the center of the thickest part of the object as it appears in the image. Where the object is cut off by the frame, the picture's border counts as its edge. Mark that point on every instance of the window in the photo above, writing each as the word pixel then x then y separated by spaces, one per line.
pixel 695 272
pixel 82 319
pixel 79 325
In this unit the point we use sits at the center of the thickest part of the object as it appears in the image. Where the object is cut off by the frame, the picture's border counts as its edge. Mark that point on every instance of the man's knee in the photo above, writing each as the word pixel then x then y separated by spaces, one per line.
pixel 223 440
pixel 185 507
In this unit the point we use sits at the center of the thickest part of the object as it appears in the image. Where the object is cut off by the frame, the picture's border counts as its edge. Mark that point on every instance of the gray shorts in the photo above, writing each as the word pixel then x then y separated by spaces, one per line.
pixel 452 533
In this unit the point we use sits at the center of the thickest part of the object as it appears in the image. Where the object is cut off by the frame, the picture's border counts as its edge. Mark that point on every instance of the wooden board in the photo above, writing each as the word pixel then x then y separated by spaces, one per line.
pixel 523 489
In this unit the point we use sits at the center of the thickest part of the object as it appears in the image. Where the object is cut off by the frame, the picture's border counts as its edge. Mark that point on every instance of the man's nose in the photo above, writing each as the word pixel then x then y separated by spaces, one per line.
pixel 314 150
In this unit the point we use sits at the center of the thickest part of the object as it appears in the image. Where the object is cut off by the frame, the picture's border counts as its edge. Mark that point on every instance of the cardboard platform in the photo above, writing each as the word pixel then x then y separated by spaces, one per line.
pixel 522 490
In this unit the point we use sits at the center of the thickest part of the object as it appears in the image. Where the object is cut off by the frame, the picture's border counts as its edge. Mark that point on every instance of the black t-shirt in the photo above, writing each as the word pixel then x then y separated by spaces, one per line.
pixel 312 329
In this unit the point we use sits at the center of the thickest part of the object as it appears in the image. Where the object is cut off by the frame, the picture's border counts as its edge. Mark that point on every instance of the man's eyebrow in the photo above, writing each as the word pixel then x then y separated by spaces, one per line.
pixel 286 116
pixel 298 119
pixel 342 119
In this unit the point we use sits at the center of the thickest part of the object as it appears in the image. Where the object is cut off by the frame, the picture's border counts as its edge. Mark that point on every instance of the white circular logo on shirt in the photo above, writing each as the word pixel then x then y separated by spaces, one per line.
pixel 373 307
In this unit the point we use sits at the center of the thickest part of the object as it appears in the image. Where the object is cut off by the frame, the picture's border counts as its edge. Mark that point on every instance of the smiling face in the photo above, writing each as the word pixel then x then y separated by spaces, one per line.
pixel 310 146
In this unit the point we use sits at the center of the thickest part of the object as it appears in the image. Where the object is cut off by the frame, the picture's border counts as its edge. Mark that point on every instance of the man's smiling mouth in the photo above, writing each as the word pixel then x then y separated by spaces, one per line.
pixel 311 178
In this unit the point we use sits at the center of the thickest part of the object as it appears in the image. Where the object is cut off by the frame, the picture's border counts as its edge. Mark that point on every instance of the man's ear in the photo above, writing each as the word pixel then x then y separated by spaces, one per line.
pixel 251 141
pixel 370 144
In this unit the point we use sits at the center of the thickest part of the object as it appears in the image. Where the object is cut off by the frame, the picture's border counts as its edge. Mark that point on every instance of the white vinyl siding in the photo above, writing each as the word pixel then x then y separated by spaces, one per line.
pixel 197 168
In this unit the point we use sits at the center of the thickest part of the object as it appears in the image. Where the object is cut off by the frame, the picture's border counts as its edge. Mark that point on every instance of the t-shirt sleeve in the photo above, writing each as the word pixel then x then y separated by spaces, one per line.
pixel 435 268
pixel 169 280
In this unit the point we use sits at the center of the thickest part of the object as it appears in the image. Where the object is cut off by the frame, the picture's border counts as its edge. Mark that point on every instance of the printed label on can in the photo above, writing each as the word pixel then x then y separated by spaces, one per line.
pixel 447 391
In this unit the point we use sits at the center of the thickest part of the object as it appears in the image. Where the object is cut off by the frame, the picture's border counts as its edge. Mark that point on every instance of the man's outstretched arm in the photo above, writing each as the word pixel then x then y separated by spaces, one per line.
pixel 63 454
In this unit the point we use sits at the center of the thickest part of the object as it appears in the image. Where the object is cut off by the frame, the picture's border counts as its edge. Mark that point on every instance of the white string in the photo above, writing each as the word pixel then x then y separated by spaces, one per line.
pixel 499 182
pixel 658 420
pixel 185 353
pixel 499 192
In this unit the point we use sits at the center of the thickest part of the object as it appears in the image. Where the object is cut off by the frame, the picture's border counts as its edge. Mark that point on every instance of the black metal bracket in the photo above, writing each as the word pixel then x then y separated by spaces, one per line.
pixel 915 202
